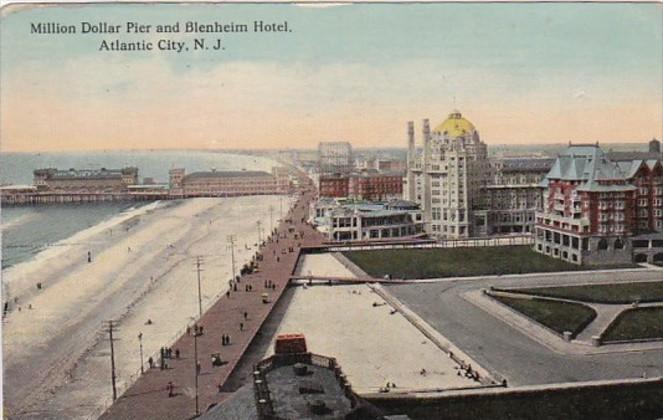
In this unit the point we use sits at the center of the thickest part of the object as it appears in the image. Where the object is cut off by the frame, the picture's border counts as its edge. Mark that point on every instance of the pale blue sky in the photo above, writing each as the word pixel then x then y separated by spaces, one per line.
pixel 394 62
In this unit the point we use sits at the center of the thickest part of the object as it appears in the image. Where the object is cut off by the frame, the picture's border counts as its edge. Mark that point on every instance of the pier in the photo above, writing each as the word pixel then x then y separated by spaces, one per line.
pixel 19 198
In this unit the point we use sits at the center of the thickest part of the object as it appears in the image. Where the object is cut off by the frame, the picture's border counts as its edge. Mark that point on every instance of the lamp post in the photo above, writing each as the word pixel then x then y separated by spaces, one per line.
pixel 271 219
pixel 140 344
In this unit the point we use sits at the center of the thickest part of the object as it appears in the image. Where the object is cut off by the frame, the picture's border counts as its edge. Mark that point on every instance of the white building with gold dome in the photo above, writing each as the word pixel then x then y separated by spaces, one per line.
pixel 447 178
pixel 462 192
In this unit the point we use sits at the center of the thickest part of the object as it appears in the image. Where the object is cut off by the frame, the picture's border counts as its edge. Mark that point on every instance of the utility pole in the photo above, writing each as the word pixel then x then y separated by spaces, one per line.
pixel 231 244
pixel 140 343
pixel 199 262
pixel 195 365
pixel 281 206
pixel 111 328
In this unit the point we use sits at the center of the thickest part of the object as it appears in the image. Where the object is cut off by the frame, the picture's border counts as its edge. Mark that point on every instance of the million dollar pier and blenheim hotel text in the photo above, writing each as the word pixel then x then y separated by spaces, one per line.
pixel 165 43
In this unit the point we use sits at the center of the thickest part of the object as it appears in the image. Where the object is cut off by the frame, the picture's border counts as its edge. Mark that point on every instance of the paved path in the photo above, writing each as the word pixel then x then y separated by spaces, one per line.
pixel 509 351
pixel 148 397
pixel 605 314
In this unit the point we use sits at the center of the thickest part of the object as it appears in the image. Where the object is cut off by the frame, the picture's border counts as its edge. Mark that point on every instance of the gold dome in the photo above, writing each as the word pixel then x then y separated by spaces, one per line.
pixel 455 126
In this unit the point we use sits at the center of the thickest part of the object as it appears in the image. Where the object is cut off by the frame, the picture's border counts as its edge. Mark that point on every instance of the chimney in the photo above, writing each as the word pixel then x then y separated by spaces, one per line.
pixel 426 134
pixel 410 141
pixel 427 199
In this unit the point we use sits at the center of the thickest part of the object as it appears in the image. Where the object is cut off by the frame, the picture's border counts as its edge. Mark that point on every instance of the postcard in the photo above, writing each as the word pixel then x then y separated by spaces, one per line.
pixel 444 210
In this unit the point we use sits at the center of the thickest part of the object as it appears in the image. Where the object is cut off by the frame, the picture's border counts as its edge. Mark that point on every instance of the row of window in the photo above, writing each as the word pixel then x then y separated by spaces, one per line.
pixel 449 229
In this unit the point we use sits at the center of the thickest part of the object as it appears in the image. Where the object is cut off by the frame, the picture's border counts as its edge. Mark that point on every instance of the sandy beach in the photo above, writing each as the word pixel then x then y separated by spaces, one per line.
pixel 56 352
pixel 373 345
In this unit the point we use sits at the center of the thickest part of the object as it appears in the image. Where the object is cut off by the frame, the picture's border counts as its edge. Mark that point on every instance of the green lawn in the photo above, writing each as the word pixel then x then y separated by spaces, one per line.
pixel 558 316
pixel 603 293
pixel 457 262
pixel 636 324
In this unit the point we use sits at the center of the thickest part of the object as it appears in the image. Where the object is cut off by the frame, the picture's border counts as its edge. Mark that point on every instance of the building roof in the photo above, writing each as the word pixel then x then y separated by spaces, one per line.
pixel 628 156
pixel 596 187
pixel 326 201
pixel 67 174
pixel 366 210
pixel 298 386
pixel 584 163
pixel 630 168
pixel 148 187
pixel 368 173
pixel 527 164
pixel 239 405
pixel 455 126
pixel 18 188
pixel 226 174
pixel 590 165
pixel 291 403
pixel 401 204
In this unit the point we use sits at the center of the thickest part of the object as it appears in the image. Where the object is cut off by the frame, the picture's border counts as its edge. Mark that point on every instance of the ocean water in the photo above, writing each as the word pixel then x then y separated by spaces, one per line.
pixel 27 230
pixel 16 168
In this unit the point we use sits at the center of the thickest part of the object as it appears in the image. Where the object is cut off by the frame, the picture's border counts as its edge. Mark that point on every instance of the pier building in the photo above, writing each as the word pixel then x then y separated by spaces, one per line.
pixel 215 183
pixel 91 185
pixel 89 180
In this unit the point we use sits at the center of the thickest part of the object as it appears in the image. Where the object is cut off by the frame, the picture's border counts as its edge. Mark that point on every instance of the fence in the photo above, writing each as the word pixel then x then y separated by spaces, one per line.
pixel 445 243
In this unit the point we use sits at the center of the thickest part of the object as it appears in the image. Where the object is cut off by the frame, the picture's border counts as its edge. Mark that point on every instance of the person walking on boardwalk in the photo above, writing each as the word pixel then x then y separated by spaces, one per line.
pixel 171 389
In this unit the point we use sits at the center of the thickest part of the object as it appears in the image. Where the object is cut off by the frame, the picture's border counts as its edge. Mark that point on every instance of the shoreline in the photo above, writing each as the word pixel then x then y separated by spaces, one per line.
pixel 154 280
pixel 10 276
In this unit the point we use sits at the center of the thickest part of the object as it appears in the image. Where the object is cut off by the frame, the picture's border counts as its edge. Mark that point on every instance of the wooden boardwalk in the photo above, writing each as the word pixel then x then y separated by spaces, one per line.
pixel 148 398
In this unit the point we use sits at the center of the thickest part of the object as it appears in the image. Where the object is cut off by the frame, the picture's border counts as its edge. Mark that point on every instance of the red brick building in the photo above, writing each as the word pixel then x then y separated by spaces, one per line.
pixel 599 211
pixel 334 185
pixel 367 185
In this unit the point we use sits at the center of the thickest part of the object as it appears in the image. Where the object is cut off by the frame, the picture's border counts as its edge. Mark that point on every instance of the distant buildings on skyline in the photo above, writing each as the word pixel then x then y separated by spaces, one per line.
pixel 335 157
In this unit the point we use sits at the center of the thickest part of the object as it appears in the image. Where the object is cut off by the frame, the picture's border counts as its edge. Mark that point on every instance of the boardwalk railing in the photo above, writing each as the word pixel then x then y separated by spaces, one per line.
pixel 445 243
